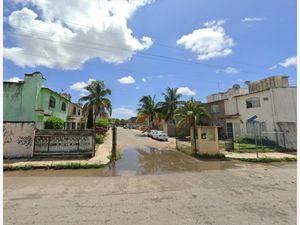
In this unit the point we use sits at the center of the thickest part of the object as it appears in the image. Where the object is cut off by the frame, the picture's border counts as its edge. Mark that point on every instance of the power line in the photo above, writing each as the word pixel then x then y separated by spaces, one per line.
pixel 157 43
pixel 95 46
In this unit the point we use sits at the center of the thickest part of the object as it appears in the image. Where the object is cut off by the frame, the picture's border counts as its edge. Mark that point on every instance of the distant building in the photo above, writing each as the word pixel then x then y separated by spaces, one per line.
pixel 29 100
pixel 75 119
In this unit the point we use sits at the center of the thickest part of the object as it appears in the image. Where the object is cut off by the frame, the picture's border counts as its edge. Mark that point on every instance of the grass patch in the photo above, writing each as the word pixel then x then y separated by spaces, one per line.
pixel 100 138
pixel 118 156
pixel 268 160
pixel 251 148
pixel 186 150
pixel 55 167
pixel 203 156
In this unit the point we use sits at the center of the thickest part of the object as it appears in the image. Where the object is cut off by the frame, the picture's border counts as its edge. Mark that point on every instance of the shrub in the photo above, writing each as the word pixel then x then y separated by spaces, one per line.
pixel 54 123
pixel 118 156
pixel 99 138
pixel 103 122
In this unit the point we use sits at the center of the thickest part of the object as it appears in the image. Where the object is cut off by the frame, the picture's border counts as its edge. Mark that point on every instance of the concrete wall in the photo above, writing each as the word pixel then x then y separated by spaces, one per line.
pixel 285 104
pixel 208 142
pixel 264 112
pixel 18 138
pixel 67 143
pixel 278 105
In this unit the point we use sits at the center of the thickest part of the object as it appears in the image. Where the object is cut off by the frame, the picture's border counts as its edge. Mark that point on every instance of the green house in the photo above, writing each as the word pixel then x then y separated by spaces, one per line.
pixel 29 100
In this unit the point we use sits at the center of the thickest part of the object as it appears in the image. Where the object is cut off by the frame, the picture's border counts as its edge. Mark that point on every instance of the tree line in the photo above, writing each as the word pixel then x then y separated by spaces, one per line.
pixel 172 110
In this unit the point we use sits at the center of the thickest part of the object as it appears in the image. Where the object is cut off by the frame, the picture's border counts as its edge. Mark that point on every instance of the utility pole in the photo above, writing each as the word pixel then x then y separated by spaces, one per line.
pixel 114 143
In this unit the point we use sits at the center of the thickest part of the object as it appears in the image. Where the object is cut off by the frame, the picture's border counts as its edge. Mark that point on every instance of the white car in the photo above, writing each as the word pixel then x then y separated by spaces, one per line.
pixel 151 132
pixel 160 135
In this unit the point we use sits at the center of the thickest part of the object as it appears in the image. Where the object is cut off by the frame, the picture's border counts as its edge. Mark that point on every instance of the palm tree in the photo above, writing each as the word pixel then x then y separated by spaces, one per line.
pixel 191 114
pixel 169 105
pixel 97 101
pixel 147 109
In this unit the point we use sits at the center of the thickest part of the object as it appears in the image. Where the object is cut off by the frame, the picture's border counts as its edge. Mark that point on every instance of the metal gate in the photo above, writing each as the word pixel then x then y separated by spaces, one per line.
pixel 64 143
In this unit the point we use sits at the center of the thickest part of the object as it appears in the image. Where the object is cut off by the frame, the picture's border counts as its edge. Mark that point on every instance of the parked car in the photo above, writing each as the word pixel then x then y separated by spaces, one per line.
pixel 151 132
pixel 160 135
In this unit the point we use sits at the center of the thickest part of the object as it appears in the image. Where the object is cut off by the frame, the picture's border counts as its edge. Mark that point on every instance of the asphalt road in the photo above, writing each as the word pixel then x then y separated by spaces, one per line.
pixel 241 194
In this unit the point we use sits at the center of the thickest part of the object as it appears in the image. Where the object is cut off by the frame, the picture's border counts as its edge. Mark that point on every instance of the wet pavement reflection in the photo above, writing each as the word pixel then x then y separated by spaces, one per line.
pixel 139 162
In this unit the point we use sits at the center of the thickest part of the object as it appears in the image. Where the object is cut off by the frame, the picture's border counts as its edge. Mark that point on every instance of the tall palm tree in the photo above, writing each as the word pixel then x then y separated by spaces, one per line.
pixel 191 114
pixel 97 101
pixel 170 104
pixel 147 109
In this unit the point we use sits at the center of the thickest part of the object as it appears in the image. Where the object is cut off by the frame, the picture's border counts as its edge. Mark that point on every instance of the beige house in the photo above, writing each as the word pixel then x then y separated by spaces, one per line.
pixel 75 119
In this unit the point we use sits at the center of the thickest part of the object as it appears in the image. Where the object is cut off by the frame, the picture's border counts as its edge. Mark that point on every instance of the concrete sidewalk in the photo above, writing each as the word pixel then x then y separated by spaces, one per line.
pixel 272 155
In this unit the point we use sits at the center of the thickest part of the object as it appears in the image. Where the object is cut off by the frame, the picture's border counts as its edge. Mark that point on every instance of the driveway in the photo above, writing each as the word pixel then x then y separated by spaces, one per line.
pixel 151 186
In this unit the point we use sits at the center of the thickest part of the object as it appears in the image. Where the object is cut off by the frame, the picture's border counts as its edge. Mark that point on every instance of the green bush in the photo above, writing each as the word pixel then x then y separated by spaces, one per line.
pixel 103 122
pixel 54 123
pixel 118 156
pixel 99 139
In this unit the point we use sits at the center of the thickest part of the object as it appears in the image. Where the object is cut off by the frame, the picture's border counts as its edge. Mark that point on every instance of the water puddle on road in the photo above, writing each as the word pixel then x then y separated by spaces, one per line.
pixel 139 162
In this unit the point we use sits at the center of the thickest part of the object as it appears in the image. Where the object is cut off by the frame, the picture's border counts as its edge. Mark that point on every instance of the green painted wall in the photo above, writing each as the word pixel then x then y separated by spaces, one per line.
pixel 22 100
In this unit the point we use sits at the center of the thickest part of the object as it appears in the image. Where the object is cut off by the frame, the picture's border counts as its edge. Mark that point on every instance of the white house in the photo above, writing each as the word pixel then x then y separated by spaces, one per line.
pixel 271 102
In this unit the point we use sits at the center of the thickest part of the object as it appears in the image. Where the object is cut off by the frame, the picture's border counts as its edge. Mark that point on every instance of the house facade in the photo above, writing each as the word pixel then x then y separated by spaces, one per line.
pixel 223 110
pixel 75 119
pixel 30 101
pixel 271 102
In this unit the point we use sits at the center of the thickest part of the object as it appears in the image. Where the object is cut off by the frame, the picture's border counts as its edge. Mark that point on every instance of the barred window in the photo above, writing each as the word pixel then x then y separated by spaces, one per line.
pixel 253 102
pixel 52 102
pixel 215 109
pixel 63 106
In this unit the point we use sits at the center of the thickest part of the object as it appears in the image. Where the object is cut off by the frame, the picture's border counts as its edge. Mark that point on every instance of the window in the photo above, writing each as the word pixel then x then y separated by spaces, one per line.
pixel 252 102
pixel 63 106
pixel 266 98
pixel 215 109
pixel 52 102
pixel 78 112
pixel 74 110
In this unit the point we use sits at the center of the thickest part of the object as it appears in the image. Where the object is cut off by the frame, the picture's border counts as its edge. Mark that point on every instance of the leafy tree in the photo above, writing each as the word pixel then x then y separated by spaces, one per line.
pixel 148 109
pixel 97 101
pixel 103 122
pixel 190 114
pixel 171 102
pixel 54 123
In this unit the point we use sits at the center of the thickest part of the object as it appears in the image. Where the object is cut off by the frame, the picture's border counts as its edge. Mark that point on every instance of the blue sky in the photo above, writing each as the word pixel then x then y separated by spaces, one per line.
pixel 233 41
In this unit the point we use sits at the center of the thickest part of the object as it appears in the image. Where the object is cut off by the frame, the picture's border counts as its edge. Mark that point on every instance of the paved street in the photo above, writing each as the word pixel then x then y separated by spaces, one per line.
pixel 153 187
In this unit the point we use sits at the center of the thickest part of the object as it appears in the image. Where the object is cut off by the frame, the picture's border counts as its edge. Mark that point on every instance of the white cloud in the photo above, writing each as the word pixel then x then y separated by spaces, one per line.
pixel 144 79
pixel 289 62
pixel 137 87
pixel 15 79
pixel 253 19
pixel 82 95
pixel 273 67
pixel 186 91
pixel 79 86
pixel 51 35
pixel 122 113
pixel 228 70
pixel 208 42
pixel 126 80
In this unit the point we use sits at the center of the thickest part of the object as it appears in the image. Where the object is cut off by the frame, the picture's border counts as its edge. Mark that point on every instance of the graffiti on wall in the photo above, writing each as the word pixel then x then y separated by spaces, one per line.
pixel 18 139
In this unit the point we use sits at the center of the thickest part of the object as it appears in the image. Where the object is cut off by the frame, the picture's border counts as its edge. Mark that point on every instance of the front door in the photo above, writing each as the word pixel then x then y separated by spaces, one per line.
pixel 229 130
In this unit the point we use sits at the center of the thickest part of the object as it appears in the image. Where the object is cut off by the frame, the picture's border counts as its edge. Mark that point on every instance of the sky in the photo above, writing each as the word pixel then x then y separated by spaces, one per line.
pixel 142 47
